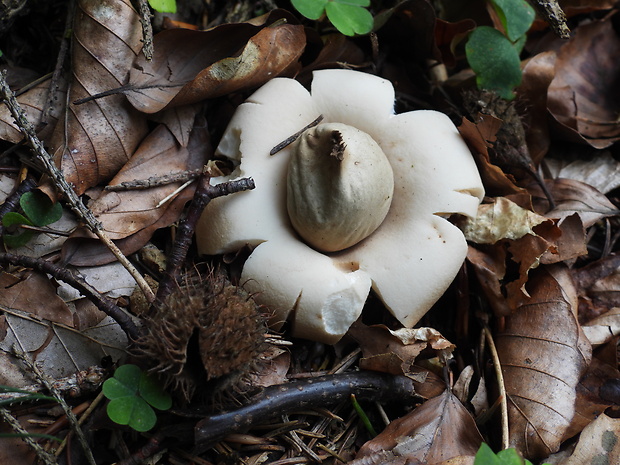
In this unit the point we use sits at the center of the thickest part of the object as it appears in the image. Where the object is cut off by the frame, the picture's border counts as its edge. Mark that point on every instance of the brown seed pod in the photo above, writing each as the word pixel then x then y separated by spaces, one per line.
pixel 206 329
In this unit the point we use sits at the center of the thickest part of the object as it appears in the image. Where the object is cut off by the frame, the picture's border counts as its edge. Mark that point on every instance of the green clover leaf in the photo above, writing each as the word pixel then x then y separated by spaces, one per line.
pixel 350 17
pixel 164 6
pixel 495 61
pixel 132 395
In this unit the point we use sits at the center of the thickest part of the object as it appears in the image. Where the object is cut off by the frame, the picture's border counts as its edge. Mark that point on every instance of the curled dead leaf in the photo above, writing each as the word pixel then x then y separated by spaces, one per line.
pixel 480 136
pixel 582 95
pixel 191 66
pixel 599 443
pixel 500 219
pixel 572 197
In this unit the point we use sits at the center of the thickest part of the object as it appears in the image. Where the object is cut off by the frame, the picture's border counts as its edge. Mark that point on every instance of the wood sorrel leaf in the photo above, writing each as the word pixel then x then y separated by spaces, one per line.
pixel 495 61
pixel 311 9
pixel 516 17
pixel 164 6
pixel 40 209
pixel 350 18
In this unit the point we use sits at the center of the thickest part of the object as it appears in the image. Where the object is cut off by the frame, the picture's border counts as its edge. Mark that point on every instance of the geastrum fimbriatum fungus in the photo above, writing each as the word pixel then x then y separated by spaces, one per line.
pixel 360 200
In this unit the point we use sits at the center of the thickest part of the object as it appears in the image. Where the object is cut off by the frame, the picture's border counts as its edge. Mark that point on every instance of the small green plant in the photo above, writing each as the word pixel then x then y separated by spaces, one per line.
pixel 132 395
pixel 38 211
pixel 493 55
pixel 164 6
pixel 485 456
pixel 348 16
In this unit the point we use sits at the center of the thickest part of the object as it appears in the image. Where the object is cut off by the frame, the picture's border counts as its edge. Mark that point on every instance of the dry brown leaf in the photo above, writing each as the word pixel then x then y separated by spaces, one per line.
pixel 33 102
pixel 480 137
pixel 583 94
pixel 603 328
pixel 599 287
pixel 95 139
pixel 500 219
pixel 543 353
pixel 503 268
pixel 34 294
pixel 538 73
pixel 592 395
pixel 601 172
pixel 572 197
pixel 191 66
pixel 598 444
pixel 439 430
pixel 83 249
pixel 125 213
pixel 399 348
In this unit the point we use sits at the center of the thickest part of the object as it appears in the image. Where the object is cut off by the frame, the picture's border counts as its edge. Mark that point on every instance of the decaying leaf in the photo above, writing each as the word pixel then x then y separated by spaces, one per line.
pixel 441 429
pixel 543 353
pixel 572 197
pixel 501 219
pixel 538 73
pixel 190 66
pixel 583 94
pixel 592 395
pixel 126 212
pixel 395 351
pixel 34 102
pixel 503 268
pixel 95 139
pixel 34 294
pixel 603 328
pixel 480 136
pixel 599 443
pixel 599 287
pixel 601 172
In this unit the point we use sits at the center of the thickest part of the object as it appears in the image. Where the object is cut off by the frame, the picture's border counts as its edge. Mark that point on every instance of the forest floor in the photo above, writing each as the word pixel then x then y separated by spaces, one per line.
pixel 159 305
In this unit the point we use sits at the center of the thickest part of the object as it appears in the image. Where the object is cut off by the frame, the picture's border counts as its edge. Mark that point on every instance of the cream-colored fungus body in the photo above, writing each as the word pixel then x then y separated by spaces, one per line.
pixel 409 255
pixel 339 186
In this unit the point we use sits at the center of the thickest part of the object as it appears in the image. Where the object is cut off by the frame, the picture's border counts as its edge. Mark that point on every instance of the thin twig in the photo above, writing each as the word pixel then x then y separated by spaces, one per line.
pixel 155 181
pixel 43 455
pixel 54 87
pixel 94 404
pixel 289 140
pixel 501 386
pixel 49 385
pixel 61 183
pixel 554 15
pixel 124 320
pixel 297 395
pixel 147 29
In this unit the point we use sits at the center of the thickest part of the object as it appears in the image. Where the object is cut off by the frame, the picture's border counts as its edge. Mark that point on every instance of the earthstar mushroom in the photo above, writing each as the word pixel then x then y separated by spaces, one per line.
pixel 315 255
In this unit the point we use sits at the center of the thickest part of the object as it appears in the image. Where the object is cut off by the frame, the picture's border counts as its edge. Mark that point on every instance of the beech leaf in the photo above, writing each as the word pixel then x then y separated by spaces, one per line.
pixel 501 219
pixel 95 139
pixel 543 353
pixel 572 197
pixel 437 431
pixel 586 73
pixel 190 66
pixel 125 213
